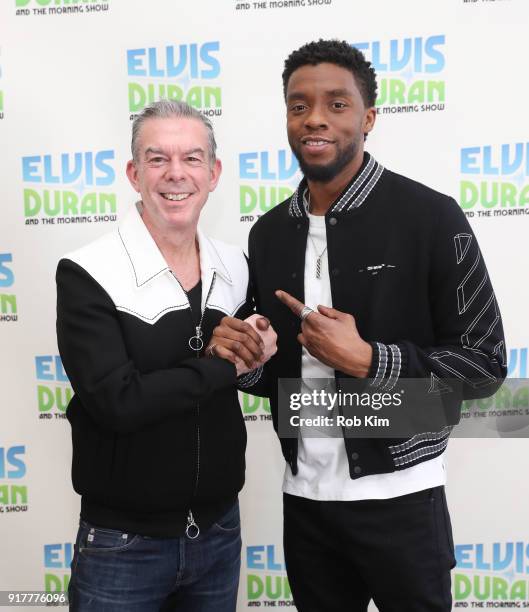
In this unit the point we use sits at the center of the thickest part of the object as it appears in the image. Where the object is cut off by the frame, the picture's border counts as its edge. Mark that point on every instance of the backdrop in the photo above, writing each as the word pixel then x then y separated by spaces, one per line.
pixel 451 113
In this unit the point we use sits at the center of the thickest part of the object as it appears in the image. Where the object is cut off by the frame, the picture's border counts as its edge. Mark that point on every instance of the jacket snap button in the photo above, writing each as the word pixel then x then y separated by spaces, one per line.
pixel 357 470
pixel 355 456
pixel 333 221
pixel 298 226
pixel 335 272
pixel 294 275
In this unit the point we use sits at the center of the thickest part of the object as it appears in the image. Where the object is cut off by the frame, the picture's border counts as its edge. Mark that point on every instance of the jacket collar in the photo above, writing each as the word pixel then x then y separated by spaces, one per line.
pixel 148 262
pixel 353 196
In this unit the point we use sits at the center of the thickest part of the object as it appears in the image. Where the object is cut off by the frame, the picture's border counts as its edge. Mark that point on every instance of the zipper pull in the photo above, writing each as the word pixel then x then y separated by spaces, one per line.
pixel 195 342
pixel 192 529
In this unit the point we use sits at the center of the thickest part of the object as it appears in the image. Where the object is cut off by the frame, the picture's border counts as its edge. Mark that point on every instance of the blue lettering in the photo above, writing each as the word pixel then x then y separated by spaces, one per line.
pixel 135 63
pixel 462 553
pixel 70 176
pixel 7 278
pixel 270 561
pixel 517 359
pixel 154 71
pixel 30 173
pixel 10 458
pixel 48 173
pixel 172 69
pixel 435 54
pixel 247 168
pixel 469 162
pixel 480 563
pixel 209 60
pixel 52 555
pixel 42 365
pixel 488 168
pixel 254 557
pixel 109 174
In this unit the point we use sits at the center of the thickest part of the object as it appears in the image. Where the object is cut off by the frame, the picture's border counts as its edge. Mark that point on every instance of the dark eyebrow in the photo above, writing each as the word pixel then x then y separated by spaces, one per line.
pixel 298 95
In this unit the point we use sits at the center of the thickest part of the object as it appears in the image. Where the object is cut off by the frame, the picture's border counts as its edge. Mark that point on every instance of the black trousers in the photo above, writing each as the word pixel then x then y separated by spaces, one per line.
pixel 397 552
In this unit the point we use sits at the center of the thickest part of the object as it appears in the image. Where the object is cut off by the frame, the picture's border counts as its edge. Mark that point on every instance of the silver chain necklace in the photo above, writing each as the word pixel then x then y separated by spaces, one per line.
pixel 320 256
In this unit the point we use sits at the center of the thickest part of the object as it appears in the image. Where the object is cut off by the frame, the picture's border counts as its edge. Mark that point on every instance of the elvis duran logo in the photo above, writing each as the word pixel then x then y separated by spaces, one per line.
pixel 13 493
pixel 410 73
pixel 57 561
pixel 492 573
pixel 24 8
pixel 266 579
pixel 279 4
pixel 266 179
pixel 8 301
pixel 69 188
pixel 255 408
pixel 53 389
pixel 187 72
pixel 495 180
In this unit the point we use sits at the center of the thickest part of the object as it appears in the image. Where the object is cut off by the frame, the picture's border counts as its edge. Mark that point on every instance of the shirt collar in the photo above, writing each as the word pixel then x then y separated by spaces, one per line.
pixel 146 258
pixel 353 196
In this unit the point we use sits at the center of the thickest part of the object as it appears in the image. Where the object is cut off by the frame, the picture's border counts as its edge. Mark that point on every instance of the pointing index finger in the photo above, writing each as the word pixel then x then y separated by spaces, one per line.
pixel 295 305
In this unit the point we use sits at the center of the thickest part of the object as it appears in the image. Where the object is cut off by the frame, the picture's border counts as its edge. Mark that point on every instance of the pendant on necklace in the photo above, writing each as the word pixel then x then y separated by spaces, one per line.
pixel 318 267
pixel 195 342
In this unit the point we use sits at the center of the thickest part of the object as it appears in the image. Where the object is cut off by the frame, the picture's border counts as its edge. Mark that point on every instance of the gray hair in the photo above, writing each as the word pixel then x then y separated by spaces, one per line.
pixel 164 109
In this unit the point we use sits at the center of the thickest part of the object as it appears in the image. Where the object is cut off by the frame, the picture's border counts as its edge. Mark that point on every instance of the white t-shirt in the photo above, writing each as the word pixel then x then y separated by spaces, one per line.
pixel 323 468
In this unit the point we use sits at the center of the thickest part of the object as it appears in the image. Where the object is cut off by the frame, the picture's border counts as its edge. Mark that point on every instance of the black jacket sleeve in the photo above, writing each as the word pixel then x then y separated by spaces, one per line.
pixel 469 345
pixel 111 389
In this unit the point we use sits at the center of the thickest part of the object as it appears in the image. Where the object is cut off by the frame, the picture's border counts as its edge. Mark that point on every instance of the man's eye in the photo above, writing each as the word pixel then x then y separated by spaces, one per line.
pixel 339 105
pixel 155 160
pixel 297 108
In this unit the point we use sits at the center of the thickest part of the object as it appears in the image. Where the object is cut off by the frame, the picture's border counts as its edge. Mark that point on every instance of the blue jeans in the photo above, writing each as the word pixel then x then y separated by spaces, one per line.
pixel 116 571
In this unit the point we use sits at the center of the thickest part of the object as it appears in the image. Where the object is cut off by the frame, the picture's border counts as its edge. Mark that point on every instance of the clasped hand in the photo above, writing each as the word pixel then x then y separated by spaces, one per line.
pixel 329 335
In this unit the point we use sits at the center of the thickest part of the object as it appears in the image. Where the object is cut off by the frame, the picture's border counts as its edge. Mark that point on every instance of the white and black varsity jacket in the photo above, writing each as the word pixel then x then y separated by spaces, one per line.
pixel 156 431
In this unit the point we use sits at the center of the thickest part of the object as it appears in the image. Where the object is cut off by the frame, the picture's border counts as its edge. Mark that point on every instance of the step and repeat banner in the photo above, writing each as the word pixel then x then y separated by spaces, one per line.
pixel 452 113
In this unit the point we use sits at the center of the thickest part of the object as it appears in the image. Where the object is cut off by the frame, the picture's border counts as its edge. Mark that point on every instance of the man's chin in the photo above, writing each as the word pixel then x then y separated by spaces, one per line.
pixel 318 173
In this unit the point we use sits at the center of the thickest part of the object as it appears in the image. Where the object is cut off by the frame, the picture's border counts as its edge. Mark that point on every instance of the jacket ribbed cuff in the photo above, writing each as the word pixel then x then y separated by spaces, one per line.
pixel 250 378
pixel 387 365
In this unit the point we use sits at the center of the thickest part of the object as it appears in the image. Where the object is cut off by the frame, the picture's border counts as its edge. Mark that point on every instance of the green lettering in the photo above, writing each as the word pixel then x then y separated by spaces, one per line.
pixel 468 194
pixel 254 584
pixel 137 97
pixel 247 199
pixel 44 398
pixel 8 304
pixel 32 203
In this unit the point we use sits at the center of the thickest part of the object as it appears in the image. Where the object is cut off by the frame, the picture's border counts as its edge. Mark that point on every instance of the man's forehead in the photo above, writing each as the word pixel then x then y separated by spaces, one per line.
pixel 157 133
pixel 328 77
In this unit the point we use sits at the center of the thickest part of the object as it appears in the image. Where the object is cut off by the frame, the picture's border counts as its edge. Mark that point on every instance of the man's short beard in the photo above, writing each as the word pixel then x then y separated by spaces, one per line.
pixel 319 173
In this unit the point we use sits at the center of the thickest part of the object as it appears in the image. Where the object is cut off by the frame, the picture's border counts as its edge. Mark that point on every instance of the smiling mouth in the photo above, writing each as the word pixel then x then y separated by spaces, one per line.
pixel 315 142
pixel 175 197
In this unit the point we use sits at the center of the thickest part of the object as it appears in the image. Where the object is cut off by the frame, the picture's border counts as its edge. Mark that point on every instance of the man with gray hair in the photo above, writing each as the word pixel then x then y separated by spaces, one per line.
pixel 158 434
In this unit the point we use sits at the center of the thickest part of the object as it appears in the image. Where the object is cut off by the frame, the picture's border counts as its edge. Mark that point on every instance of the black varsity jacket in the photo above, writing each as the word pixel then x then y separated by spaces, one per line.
pixel 405 263
pixel 156 431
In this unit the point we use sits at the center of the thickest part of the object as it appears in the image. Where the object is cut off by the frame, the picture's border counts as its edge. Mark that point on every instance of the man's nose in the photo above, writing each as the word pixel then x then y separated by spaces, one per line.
pixel 175 170
pixel 316 118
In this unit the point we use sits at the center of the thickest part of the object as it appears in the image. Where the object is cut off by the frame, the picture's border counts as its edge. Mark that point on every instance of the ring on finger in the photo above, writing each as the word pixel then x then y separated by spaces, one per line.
pixel 305 312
